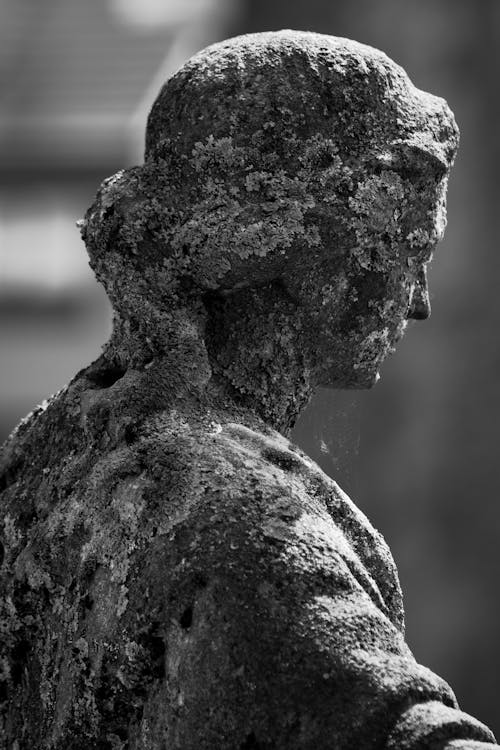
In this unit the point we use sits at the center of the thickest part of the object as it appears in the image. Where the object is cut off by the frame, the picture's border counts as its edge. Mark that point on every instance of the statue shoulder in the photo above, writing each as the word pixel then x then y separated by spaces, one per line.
pixel 42 439
pixel 260 475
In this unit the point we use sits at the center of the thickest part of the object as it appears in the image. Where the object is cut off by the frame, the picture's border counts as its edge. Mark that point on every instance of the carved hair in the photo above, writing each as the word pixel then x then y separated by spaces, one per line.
pixel 258 148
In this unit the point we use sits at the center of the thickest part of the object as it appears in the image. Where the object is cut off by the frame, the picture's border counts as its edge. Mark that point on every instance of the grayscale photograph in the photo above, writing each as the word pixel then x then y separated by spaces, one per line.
pixel 249 390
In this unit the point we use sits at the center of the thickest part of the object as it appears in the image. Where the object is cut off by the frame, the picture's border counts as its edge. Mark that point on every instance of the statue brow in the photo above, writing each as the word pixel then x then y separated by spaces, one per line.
pixel 420 156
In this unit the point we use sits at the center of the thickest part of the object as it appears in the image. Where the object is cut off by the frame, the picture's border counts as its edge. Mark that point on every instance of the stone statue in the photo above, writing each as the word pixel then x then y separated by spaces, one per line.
pixel 176 573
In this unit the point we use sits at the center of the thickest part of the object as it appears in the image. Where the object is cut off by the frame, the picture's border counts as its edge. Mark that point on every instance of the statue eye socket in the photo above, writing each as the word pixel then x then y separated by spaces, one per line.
pixel 412 173
pixel 411 163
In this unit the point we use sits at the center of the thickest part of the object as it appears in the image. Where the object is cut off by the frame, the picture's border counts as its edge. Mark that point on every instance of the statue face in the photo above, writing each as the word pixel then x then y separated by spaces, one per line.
pixel 359 303
pixel 331 185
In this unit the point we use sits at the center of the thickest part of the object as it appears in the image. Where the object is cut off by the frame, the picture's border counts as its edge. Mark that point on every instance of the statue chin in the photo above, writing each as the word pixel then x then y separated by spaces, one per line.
pixel 368 380
pixel 358 380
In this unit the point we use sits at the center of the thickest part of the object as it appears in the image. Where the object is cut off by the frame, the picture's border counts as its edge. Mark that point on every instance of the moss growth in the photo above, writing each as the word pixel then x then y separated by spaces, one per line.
pixel 175 573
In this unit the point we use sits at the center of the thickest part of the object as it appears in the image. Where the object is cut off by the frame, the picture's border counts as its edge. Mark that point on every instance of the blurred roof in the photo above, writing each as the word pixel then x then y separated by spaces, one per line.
pixel 72 73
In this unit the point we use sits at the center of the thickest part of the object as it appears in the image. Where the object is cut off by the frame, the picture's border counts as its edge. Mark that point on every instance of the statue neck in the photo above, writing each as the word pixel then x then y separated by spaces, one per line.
pixel 237 350
pixel 254 354
pixel 169 344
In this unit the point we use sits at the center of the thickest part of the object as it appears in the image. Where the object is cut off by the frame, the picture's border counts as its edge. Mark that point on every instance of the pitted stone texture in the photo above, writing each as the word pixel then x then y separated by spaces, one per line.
pixel 255 141
pixel 290 173
pixel 176 574
pixel 197 583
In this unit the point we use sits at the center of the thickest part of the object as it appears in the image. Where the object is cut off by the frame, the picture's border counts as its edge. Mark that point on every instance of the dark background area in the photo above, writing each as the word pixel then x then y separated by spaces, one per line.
pixel 418 453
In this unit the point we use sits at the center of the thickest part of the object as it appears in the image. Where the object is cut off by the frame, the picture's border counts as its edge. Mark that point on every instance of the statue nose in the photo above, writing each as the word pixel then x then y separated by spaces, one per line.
pixel 420 305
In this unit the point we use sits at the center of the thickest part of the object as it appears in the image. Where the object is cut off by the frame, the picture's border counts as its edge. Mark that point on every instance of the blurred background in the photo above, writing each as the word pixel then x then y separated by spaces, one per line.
pixel 418 453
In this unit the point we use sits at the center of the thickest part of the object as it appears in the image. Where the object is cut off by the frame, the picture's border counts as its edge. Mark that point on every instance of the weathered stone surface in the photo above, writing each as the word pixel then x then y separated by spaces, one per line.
pixel 176 574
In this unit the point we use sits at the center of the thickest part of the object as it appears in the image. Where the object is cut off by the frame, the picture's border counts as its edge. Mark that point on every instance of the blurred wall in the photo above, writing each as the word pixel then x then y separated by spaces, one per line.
pixel 77 80
pixel 426 471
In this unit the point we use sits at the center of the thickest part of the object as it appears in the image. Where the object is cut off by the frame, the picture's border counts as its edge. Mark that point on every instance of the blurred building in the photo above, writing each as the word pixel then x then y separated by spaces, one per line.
pixel 77 81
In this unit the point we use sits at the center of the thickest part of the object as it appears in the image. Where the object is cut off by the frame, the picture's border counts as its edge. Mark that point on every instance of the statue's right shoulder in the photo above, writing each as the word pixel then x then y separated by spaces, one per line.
pixel 285 492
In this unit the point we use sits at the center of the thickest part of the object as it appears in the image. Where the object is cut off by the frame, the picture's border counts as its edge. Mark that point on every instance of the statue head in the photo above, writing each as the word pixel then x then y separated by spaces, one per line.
pixel 289 174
